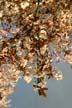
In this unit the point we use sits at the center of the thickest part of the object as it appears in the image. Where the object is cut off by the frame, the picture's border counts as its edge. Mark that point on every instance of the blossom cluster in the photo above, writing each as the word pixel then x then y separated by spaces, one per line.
pixel 28 28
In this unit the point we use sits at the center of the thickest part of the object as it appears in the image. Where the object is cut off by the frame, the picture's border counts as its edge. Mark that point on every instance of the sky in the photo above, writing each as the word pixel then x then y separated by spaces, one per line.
pixel 59 93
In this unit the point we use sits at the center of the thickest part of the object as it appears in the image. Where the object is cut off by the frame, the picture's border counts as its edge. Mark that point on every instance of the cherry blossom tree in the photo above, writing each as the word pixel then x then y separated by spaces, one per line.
pixel 32 32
